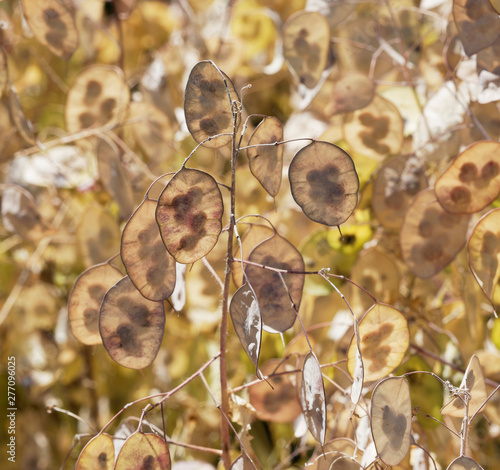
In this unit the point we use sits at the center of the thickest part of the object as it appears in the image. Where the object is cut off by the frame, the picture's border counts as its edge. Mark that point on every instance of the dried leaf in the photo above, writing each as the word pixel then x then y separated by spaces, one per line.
pixel 148 263
pixel 266 163
pixel 324 183
pixel 247 321
pixel 473 382
pixel 391 419
pixel 384 340
pixel 114 177
pixel 396 183
pixel 85 301
pixel 279 404
pixel 306 46
pixel 189 215
pixel 98 97
pixel 484 252
pixel 477 23
pixel 51 21
pixel 313 397
pixel 278 315
pixel 430 237
pixel 142 451
pixel 130 325
pixel 376 130
pixel 464 463
pixel 207 106
pixel 99 453
pixel 473 181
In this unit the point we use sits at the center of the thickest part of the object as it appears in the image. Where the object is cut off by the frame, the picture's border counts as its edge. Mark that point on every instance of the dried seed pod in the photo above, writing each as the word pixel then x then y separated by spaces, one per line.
pixel 396 183
pixel 99 96
pixel 20 215
pixel 464 463
pixel 247 322
pixel 430 237
pixel 207 106
pixel 253 236
pixel 51 21
pixel 391 419
pixel 351 92
pixel 142 451
pixel 189 215
pixel 130 325
pixel 98 235
pixel 376 130
pixel 114 177
pixel 85 301
pixel 279 404
pixel 473 181
pixel 266 163
pixel 148 263
pixel 324 183
pixel 98 453
pixel 484 252
pixel 306 46
pixel 477 23
pixel 274 298
pixel 384 340
pixel 313 397
pixel 473 383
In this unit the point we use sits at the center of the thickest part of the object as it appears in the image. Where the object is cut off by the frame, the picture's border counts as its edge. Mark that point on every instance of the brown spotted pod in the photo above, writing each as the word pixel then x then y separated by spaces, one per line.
pixel 189 214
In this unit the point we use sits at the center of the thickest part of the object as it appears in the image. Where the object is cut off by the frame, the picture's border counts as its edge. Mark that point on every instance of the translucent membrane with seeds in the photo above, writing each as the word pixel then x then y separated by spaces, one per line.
pixel 391 419
pixel 464 463
pixel 376 130
pixel 477 24
pixel 384 340
pixel 273 297
pixel 144 451
pixel 247 321
pixel 473 181
pixel 148 263
pixel 313 397
pixel 130 325
pixel 85 301
pixel 266 163
pixel 396 183
pixel 98 96
pixel 189 214
pixel 324 183
pixel 484 252
pixel 207 106
pixel 279 404
pixel 306 46
pixel 473 382
pixel 431 237
pixel 99 453
pixel 51 21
